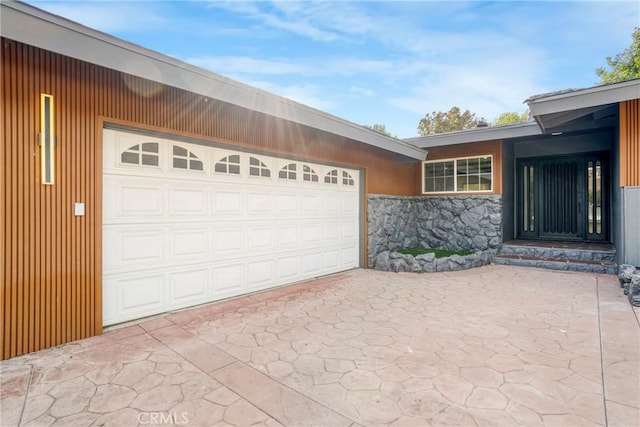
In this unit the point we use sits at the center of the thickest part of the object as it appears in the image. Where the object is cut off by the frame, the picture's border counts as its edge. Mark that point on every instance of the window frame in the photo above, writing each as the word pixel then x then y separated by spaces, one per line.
pixel 190 157
pixel 455 175
pixel 140 152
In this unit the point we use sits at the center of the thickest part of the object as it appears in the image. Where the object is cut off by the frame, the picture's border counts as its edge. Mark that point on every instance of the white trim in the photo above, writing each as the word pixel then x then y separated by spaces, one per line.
pixel 455 177
pixel 491 133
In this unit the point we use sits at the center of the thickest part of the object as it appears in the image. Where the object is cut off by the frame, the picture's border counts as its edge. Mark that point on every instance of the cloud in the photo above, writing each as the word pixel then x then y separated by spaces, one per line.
pixel 300 67
pixel 109 16
pixel 305 93
pixel 361 91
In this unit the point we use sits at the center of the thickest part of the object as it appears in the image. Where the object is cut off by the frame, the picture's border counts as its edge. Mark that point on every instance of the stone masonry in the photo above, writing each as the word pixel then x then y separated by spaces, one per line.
pixel 471 223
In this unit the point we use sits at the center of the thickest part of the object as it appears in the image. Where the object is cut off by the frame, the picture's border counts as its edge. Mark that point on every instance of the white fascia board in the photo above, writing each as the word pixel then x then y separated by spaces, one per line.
pixel 584 98
pixel 35 27
pixel 477 135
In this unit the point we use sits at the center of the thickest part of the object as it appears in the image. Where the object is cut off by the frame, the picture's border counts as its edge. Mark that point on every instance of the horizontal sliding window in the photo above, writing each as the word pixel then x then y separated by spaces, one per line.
pixel 461 175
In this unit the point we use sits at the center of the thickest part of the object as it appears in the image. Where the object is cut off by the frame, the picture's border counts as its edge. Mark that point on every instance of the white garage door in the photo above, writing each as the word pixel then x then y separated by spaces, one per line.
pixel 186 224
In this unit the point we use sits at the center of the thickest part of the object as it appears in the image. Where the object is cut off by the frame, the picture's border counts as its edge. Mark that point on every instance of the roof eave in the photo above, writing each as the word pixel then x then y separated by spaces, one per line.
pixel 584 98
pixel 477 135
pixel 35 27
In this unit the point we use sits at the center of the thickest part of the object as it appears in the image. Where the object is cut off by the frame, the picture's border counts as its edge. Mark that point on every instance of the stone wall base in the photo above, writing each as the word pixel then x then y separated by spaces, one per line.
pixel 428 263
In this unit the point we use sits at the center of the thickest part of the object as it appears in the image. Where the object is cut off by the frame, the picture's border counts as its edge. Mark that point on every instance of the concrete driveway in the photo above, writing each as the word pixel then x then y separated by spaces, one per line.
pixel 491 346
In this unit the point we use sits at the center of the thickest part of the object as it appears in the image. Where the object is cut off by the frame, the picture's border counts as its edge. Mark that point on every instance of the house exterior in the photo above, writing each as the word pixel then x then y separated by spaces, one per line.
pixel 571 174
pixel 136 184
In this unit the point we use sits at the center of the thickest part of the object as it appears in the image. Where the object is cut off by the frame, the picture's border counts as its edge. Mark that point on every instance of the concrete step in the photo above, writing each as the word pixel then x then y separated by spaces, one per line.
pixel 555 263
pixel 608 253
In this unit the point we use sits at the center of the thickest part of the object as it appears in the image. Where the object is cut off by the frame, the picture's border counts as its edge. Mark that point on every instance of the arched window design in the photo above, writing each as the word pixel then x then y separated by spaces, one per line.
pixel 185 159
pixel 257 168
pixel 229 164
pixel 347 179
pixel 309 174
pixel 142 154
pixel 331 177
pixel 288 172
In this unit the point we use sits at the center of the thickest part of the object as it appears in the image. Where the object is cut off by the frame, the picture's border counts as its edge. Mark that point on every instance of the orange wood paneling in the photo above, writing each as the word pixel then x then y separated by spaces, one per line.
pixel 51 261
pixel 630 143
pixel 493 148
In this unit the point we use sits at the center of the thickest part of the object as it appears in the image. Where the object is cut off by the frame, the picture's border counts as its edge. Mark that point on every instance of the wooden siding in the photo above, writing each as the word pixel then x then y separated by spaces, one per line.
pixel 493 148
pixel 630 143
pixel 51 260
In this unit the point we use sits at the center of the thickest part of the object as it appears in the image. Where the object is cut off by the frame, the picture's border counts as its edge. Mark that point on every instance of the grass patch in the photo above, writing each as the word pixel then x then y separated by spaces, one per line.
pixel 440 253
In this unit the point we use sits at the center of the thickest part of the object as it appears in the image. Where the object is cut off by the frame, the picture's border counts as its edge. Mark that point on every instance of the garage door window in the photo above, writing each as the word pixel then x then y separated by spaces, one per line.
pixel 142 154
pixel 347 179
pixel 331 177
pixel 185 159
pixel 257 168
pixel 308 174
pixel 288 172
pixel 229 164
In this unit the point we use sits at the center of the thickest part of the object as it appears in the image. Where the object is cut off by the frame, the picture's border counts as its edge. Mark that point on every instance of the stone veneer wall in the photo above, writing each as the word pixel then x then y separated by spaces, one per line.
pixel 391 224
pixel 472 223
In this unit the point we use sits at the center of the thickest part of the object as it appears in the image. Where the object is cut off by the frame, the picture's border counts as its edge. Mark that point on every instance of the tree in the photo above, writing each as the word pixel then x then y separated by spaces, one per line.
pixel 511 117
pixel 625 65
pixel 449 121
pixel 378 128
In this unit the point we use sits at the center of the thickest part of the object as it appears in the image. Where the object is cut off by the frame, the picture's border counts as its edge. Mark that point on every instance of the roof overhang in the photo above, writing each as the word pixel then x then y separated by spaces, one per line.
pixel 558 109
pixel 35 27
pixel 478 135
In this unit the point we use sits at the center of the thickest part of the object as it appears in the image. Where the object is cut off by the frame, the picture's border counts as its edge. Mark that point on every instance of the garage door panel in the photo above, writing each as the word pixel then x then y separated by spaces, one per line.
pixel 287 203
pixel 332 232
pixel 229 202
pixel 228 278
pixel 331 259
pixel 141 293
pixel 174 237
pixel 310 233
pixel 288 267
pixel 188 201
pixel 311 263
pixel 260 273
pixel 287 235
pixel 190 285
pixel 131 247
pixel 259 203
pixel 261 238
pixel 349 257
pixel 311 204
pixel 228 241
pixel 192 243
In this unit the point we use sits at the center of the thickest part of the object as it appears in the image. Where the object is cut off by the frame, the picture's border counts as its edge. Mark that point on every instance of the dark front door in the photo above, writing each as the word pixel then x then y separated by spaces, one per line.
pixel 562 198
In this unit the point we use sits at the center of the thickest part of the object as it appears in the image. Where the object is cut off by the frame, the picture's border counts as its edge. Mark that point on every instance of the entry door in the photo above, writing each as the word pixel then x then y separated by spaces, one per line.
pixel 562 198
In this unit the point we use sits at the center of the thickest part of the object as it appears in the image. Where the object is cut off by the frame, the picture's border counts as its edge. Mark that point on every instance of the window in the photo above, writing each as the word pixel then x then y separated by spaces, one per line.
pixel 288 172
pixel 331 177
pixel 470 174
pixel 229 164
pixel 142 154
pixel 185 159
pixel 257 168
pixel 347 179
pixel 309 174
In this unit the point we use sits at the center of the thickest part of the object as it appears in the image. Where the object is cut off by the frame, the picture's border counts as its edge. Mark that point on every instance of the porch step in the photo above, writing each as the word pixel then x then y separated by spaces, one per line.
pixel 566 264
pixel 568 256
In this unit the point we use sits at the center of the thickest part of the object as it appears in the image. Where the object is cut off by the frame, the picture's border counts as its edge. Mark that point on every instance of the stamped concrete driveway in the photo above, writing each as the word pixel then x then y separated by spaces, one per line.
pixel 490 346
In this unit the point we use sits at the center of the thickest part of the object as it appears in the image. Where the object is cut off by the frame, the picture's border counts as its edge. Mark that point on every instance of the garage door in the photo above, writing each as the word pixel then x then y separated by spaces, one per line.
pixel 186 224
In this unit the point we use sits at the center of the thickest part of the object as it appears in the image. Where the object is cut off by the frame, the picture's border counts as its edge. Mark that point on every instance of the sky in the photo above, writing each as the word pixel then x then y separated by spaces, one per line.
pixel 375 62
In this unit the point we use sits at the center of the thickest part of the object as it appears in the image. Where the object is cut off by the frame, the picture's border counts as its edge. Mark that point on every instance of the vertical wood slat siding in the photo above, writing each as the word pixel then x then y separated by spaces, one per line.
pixel 630 143
pixel 472 149
pixel 51 261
